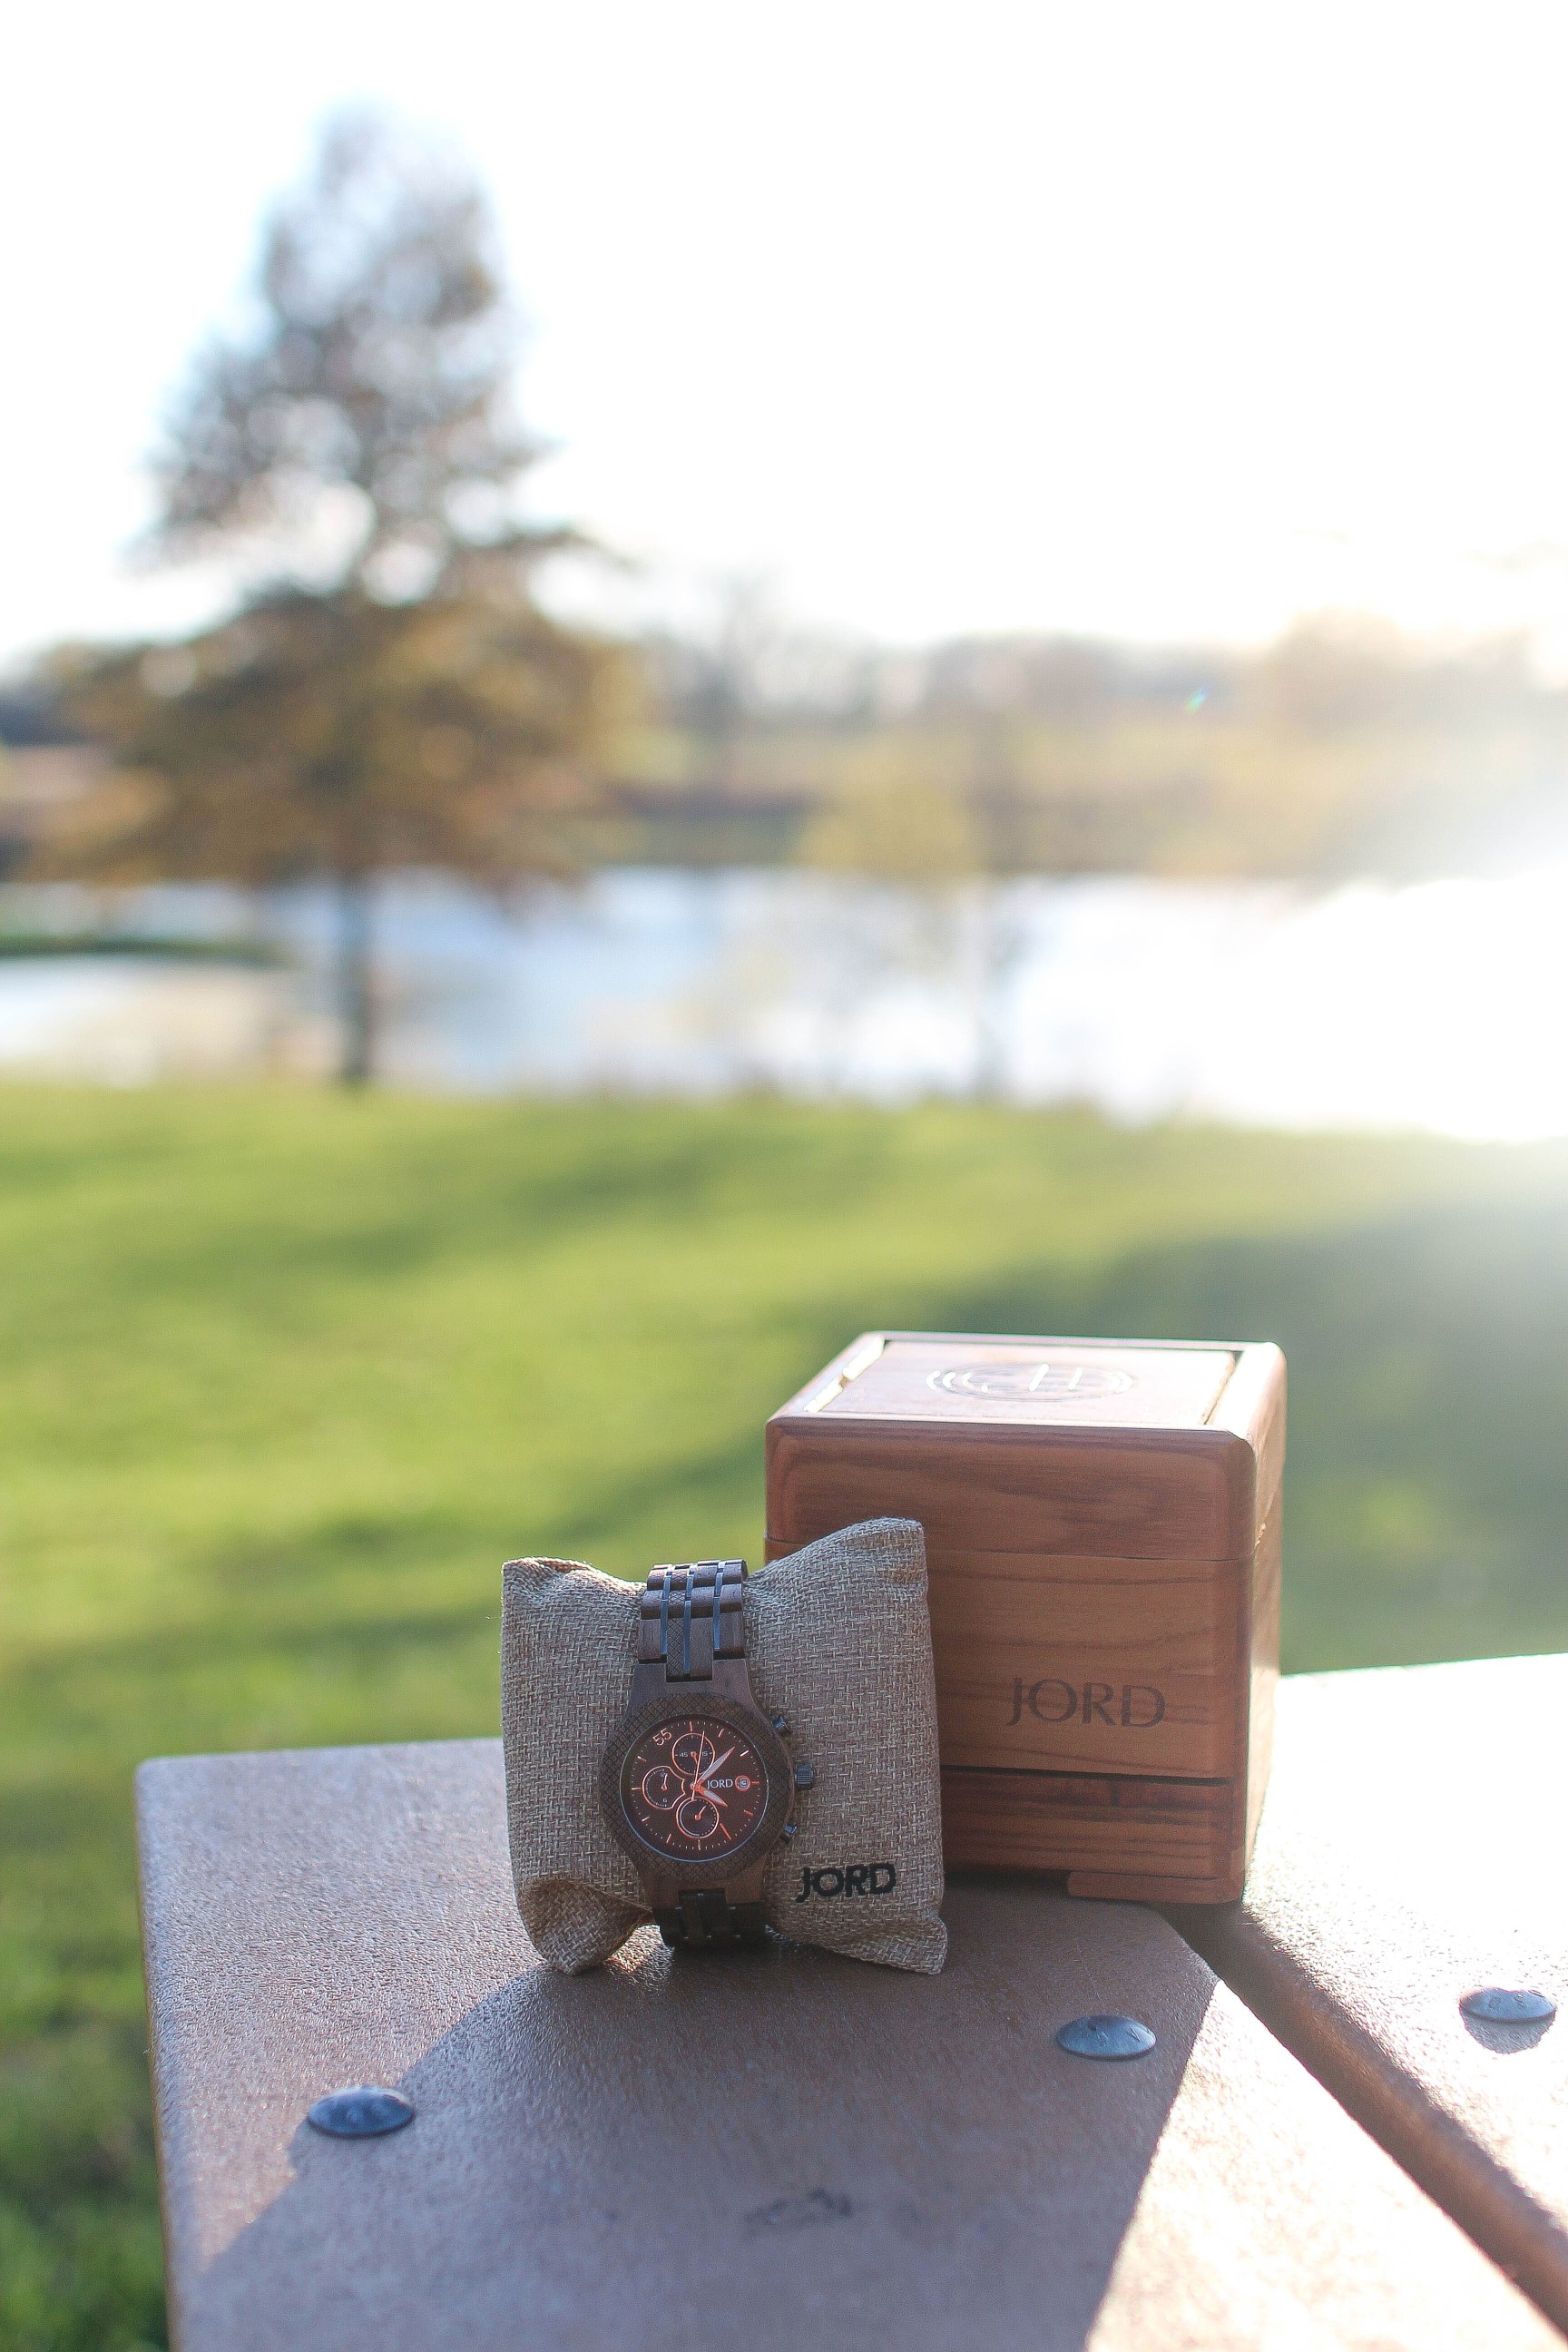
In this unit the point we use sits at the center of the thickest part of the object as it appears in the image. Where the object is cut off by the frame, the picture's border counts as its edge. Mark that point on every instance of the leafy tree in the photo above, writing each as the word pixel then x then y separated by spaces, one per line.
pixel 393 695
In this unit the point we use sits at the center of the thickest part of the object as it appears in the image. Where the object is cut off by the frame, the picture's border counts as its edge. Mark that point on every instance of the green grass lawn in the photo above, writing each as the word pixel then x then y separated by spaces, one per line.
pixel 287 1376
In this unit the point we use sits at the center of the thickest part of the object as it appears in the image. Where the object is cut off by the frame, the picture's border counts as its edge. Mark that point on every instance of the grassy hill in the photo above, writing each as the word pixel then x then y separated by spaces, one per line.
pixel 287 1376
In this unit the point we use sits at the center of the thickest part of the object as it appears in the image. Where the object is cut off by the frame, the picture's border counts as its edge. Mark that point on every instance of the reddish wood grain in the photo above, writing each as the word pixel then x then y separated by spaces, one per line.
pixel 1128 1665
pixel 1179 1832
pixel 1105 1570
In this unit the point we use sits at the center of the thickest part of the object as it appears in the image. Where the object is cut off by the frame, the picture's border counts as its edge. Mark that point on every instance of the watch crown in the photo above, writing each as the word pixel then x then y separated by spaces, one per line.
pixel 805 1774
pixel 789 1829
pixel 781 1725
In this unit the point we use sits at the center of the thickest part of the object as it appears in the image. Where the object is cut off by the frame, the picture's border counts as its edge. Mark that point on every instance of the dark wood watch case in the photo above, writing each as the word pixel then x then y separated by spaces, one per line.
pixel 673 1700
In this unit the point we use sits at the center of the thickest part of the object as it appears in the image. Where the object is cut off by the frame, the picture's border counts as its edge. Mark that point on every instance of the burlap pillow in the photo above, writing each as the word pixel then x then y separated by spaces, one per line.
pixel 837 1639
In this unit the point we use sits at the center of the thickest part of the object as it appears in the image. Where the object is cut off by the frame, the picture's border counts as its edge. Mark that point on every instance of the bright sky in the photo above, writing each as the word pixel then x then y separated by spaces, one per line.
pixel 1160 321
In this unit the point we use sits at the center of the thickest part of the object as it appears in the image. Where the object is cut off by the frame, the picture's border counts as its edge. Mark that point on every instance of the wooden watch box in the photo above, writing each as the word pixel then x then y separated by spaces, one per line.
pixel 1102 1529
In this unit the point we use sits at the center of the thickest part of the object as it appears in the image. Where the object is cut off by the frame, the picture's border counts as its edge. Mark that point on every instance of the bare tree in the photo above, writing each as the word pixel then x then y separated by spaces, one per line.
pixel 393 694
pixel 367 418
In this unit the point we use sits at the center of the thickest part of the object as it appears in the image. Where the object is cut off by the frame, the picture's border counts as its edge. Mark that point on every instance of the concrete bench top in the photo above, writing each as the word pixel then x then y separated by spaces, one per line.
pixel 784 2150
pixel 1412 1849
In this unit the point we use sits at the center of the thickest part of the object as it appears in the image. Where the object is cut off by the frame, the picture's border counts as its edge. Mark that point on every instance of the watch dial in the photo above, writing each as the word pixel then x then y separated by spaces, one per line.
pixel 694 1788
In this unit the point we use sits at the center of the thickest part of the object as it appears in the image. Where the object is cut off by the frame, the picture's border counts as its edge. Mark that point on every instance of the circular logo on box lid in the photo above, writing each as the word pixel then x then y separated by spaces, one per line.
pixel 1042 1383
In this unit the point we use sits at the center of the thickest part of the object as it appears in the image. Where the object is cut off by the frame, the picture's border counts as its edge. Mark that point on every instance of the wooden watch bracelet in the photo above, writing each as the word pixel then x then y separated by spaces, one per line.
pixel 691 1614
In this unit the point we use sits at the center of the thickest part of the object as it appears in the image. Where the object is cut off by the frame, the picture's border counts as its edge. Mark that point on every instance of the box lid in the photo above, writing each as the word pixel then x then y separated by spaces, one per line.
pixel 1034 1444
pixel 1029 1383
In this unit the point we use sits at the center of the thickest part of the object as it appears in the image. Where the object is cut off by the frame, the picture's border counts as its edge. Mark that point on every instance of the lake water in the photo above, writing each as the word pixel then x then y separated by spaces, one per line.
pixel 1439 1007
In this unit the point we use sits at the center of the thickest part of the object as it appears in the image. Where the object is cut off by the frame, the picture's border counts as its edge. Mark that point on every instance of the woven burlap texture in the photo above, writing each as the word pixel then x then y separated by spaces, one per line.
pixel 837 1640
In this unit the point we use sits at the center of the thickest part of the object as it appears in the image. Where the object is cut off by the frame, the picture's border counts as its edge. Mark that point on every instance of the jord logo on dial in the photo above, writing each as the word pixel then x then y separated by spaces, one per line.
pixel 1134 1707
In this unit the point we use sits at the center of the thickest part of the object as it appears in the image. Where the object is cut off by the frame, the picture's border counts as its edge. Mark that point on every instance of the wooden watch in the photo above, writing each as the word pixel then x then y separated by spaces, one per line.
pixel 697 1783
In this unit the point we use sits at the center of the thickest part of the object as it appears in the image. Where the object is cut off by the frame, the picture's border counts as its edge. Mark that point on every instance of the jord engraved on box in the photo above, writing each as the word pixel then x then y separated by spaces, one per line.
pixel 1053 1701
pixel 1102 1528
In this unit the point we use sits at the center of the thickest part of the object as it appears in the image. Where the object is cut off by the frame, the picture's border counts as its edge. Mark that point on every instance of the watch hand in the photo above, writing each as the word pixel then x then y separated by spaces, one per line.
pixel 705 1771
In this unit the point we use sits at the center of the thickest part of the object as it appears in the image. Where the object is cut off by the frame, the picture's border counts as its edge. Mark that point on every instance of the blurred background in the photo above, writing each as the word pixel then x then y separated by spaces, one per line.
pixel 676 682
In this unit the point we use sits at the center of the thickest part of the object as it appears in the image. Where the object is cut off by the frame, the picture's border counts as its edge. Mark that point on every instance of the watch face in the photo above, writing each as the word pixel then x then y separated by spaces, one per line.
pixel 694 1788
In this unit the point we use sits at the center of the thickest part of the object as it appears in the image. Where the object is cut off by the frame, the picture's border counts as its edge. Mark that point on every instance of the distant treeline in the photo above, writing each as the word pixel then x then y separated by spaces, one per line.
pixel 1343 748
pixel 394 689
